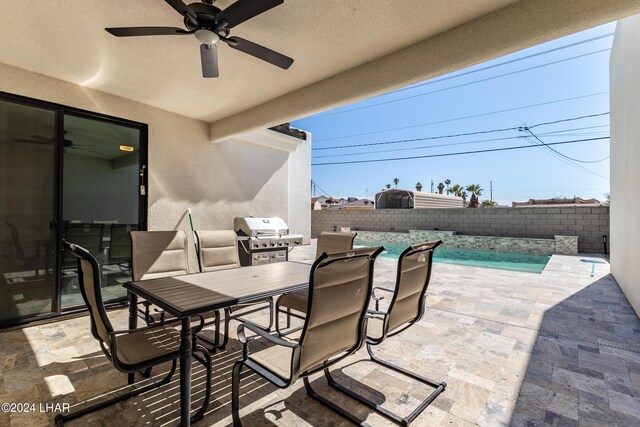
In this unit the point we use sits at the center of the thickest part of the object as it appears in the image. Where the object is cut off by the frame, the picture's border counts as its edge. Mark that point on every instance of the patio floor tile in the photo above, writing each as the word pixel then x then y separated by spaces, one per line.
pixel 557 348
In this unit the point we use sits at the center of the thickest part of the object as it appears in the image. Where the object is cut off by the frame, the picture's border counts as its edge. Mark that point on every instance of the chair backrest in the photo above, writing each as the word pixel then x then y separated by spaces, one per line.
pixel 15 239
pixel 412 280
pixel 217 250
pixel 89 279
pixel 330 242
pixel 158 254
pixel 88 236
pixel 120 241
pixel 339 290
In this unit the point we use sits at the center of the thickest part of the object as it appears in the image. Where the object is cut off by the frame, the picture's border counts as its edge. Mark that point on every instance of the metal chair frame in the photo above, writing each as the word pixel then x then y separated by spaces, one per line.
pixel 439 387
pixel 112 355
pixel 296 348
pixel 228 316
pixel 288 312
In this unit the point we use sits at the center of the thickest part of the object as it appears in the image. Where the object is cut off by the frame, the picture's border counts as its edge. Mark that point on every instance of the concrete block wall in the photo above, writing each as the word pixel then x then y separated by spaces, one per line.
pixel 588 223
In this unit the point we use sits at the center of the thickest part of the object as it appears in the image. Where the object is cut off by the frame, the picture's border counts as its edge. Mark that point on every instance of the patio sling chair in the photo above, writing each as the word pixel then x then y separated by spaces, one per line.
pixel 339 292
pixel 120 246
pixel 328 242
pixel 218 250
pixel 405 309
pixel 156 254
pixel 129 350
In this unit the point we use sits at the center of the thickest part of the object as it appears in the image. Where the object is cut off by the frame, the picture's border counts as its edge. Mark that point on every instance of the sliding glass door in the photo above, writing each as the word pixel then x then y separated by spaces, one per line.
pixel 28 211
pixel 65 174
pixel 101 184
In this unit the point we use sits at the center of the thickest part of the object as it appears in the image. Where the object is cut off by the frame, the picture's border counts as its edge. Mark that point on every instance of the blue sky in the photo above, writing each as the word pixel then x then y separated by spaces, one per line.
pixel 568 89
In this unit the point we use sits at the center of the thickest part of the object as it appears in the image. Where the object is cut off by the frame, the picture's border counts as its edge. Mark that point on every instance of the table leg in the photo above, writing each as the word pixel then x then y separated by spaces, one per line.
pixel 133 310
pixel 185 372
pixel 133 322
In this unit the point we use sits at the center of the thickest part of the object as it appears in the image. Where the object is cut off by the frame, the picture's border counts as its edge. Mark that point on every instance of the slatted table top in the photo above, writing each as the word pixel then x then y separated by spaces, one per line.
pixel 192 294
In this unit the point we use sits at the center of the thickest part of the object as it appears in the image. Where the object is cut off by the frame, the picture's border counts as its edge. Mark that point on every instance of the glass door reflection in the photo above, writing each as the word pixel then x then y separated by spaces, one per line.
pixel 101 176
pixel 28 212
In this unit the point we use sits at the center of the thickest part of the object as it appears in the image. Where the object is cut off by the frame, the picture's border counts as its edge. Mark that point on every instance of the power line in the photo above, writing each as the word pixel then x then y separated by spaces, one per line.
pixel 555 154
pixel 465 117
pixel 534 67
pixel 527 129
pixel 398 141
pixel 320 188
pixel 519 147
pixel 567 120
pixel 433 81
pixel 447 145
pixel 582 128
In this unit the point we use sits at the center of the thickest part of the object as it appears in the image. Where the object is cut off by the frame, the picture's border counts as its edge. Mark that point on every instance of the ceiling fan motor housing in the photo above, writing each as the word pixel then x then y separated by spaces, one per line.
pixel 206 14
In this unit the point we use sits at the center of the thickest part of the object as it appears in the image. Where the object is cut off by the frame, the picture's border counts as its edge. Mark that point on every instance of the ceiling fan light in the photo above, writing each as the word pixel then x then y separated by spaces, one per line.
pixel 207 36
pixel 126 148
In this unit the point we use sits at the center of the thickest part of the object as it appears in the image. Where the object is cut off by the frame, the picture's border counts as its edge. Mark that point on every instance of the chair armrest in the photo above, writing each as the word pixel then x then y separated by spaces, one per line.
pixel 378 288
pixel 379 298
pixel 377 313
pixel 262 333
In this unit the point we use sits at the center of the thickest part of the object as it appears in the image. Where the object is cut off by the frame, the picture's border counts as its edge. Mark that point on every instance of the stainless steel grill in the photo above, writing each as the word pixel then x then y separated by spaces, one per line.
pixel 264 240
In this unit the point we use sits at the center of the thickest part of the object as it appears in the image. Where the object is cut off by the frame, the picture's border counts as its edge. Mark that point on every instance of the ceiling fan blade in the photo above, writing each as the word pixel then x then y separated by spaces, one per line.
pixel 261 52
pixel 83 149
pixel 243 10
pixel 32 141
pixel 183 10
pixel 209 59
pixel 42 138
pixel 146 31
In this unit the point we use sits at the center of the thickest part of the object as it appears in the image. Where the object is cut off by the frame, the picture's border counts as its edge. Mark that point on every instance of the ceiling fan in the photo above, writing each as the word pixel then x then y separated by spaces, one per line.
pixel 209 25
pixel 67 143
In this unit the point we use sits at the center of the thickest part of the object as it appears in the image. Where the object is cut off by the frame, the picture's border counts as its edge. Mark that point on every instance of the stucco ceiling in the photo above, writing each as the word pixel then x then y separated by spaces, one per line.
pixel 66 40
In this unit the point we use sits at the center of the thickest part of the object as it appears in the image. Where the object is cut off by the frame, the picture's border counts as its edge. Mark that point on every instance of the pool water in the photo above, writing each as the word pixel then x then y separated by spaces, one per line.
pixel 473 258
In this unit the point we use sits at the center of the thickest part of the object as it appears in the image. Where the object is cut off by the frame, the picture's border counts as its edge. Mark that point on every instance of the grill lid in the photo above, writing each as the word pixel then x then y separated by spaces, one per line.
pixel 252 226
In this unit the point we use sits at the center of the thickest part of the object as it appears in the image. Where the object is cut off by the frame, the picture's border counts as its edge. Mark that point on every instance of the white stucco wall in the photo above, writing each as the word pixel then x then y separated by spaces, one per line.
pixel 625 158
pixel 217 181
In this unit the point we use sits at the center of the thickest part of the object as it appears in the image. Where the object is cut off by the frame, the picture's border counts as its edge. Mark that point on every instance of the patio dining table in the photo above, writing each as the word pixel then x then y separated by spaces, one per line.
pixel 192 294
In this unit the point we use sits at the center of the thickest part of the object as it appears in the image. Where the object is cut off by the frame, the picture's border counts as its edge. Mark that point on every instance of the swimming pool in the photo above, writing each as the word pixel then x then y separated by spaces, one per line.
pixel 473 258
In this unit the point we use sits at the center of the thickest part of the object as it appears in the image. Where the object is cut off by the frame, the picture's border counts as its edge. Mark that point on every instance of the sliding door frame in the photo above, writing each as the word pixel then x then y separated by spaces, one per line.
pixel 60 111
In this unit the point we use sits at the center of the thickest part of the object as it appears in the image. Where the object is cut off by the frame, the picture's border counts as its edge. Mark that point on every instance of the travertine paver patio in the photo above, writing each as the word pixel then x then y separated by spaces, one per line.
pixel 560 348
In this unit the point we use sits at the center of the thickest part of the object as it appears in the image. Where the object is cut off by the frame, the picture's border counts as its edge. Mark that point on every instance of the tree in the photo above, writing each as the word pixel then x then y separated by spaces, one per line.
pixel 456 190
pixel 388 186
pixel 608 197
pixel 440 188
pixel 447 182
pixel 396 181
pixel 475 191
pixel 464 195
pixel 418 186
pixel 488 203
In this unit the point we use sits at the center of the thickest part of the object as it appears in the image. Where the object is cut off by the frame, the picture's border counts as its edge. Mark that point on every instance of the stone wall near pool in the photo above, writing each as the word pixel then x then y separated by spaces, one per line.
pixel 536 229
pixel 480 243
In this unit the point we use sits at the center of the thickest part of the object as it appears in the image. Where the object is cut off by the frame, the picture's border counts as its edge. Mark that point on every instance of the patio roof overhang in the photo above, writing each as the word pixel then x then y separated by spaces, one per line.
pixel 344 51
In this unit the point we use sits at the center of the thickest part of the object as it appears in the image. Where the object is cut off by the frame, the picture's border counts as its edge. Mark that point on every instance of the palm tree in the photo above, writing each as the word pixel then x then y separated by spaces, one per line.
pixel 447 182
pixel 440 188
pixel 488 203
pixel 396 181
pixel 418 186
pixel 475 191
pixel 388 186
pixel 456 190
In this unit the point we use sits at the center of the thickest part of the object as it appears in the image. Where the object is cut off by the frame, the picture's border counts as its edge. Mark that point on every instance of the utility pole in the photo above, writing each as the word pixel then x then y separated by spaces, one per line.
pixel 491 189
pixel 432 186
